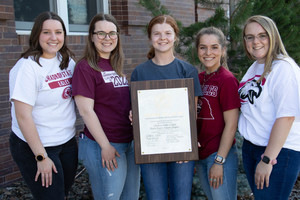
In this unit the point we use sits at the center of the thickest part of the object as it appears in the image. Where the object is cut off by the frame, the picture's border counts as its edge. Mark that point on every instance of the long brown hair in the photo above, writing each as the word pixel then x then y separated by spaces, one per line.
pixel 276 45
pixel 35 48
pixel 221 38
pixel 91 54
pixel 160 19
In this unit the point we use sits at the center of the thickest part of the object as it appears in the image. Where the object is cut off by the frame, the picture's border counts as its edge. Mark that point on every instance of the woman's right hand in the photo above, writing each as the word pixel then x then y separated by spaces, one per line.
pixel 44 168
pixel 108 154
pixel 130 116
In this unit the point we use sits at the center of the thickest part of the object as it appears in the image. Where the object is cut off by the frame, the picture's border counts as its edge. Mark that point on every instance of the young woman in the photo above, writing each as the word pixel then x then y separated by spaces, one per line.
pixel 218 118
pixel 102 96
pixel 43 113
pixel 269 121
pixel 159 178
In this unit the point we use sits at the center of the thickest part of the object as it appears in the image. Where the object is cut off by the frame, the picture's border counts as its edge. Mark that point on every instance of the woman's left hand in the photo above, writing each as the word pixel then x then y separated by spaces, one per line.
pixel 44 168
pixel 262 174
pixel 216 176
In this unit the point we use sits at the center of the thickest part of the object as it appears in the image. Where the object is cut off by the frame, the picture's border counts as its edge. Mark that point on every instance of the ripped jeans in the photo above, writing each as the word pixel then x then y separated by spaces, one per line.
pixel 122 183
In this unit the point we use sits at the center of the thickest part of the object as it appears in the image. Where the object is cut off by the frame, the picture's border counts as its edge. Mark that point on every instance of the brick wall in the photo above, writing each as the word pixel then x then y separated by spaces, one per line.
pixel 132 18
pixel 9 52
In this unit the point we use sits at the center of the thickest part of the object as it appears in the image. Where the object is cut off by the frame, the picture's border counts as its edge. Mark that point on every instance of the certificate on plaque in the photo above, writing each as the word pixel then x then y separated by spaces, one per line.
pixel 164 120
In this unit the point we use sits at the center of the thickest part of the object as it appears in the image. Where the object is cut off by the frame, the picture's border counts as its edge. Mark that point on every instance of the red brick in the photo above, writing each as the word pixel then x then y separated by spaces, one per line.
pixel 4 15
pixel 13 176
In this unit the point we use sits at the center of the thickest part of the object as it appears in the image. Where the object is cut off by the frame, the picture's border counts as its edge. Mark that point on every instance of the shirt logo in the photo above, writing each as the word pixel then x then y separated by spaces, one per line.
pixel 208 114
pixel 67 93
pixel 61 80
pixel 59 75
pixel 210 90
pixel 60 83
pixel 250 90
pixel 114 78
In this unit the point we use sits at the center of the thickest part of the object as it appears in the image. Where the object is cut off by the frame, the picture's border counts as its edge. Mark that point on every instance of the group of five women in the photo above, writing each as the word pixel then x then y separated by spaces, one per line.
pixel 45 80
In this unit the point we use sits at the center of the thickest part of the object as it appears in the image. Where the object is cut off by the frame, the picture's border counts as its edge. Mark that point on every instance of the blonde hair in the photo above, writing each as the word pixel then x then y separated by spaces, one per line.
pixel 276 46
pixel 221 38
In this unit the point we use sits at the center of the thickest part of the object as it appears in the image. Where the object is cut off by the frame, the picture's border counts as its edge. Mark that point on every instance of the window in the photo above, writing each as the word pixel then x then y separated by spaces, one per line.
pixel 75 13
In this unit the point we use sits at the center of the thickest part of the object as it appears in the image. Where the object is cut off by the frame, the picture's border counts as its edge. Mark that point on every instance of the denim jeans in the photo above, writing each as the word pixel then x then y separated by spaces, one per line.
pixel 283 176
pixel 159 177
pixel 226 191
pixel 65 159
pixel 122 183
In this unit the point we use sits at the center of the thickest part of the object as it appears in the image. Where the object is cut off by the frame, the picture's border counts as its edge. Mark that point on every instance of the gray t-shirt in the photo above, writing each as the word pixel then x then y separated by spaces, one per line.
pixel 177 69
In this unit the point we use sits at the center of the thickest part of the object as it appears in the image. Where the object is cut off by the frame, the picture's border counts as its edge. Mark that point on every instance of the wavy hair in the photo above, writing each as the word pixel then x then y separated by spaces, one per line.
pixel 276 46
pixel 35 48
pixel 221 38
pixel 160 19
pixel 91 54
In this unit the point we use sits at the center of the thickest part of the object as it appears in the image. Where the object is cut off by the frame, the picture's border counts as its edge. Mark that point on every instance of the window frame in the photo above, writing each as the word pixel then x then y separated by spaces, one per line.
pixel 61 8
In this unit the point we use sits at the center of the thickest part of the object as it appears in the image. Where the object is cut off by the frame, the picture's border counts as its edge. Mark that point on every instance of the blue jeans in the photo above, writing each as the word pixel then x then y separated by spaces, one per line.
pixel 122 183
pixel 65 159
pixel 283 176
pixel 159 177
pixel 226 191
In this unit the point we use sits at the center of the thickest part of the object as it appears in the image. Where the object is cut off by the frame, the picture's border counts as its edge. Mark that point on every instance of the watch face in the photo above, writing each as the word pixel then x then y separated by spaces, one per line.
pixel 219 159
pixel 39 157
pixel 266 160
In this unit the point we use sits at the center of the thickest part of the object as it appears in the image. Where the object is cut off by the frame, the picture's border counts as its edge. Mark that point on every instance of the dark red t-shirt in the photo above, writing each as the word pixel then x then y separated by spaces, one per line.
pixel 220 93
pixel 111 96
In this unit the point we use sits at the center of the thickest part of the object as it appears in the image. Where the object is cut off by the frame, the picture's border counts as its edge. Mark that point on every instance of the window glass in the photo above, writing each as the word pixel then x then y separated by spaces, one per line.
pixel 75 13
pixel 80 13
pixel 27 10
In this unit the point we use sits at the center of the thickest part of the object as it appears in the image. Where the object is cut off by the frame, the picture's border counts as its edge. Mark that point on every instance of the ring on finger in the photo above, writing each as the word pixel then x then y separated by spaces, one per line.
pixel 214 180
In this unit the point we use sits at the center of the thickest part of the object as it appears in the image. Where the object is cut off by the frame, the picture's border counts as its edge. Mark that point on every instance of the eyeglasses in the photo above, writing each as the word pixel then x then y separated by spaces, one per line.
pixel 260 37
pixel 102 35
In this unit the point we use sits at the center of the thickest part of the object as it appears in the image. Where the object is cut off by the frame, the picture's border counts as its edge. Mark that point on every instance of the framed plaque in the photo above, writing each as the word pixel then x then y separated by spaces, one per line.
pixel 164 120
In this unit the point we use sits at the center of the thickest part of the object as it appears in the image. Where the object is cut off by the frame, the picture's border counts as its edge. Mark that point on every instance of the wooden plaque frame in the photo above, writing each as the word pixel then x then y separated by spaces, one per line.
pixel 163 84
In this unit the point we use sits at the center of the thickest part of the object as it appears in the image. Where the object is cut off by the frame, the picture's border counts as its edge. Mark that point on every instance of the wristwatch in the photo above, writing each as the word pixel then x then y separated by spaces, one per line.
pixel 220 159
pixel 40 157
pixel 267 160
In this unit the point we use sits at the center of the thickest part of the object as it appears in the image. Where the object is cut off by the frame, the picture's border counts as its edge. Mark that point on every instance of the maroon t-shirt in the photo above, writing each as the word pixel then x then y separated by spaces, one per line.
pixel 111 96
pixel 220 93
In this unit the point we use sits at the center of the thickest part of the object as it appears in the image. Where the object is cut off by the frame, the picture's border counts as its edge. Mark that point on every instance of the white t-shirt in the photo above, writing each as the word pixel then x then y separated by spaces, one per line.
pixel 48 89
pixel 278 95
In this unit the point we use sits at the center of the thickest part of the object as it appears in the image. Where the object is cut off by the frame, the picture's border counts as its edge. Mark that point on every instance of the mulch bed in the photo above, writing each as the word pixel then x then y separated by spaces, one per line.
pixel 81 190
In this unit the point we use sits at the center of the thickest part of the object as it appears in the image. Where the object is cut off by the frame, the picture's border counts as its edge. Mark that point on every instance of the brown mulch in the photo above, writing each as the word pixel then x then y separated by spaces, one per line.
pixel 81 190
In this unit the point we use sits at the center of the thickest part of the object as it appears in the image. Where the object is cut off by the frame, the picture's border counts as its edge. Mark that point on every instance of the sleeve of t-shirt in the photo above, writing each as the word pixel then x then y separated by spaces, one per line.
pixel 285 90
pixel 133 76
pixel 197 88
pixel 23 82
pixel 83 81
pixel 229 96
pixel 71 65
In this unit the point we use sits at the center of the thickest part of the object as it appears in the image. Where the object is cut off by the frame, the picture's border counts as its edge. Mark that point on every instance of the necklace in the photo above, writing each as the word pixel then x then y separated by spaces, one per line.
pixel 208 76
